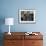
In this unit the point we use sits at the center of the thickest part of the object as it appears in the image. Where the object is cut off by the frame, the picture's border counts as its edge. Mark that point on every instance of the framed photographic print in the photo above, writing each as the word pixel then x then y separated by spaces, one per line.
pixel 27 16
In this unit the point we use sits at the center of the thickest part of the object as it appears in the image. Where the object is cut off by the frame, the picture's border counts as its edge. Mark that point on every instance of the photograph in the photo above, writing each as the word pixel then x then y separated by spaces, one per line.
pixel 27 16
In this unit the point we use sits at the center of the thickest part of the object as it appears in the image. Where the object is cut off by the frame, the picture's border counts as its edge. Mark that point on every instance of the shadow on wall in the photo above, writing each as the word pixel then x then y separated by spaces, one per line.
pixel 1 39
pixel 2 21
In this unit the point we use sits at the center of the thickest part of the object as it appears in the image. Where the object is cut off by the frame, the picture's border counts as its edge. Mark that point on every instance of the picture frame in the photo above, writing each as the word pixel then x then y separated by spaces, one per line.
pixel 27 16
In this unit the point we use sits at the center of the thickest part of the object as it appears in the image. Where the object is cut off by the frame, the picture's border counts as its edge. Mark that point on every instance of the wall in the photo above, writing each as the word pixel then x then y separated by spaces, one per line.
pixel 9 8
